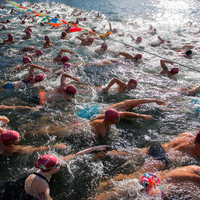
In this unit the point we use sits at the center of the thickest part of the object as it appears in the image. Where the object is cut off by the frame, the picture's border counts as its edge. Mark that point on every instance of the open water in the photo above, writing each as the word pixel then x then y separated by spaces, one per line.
pixel 79 178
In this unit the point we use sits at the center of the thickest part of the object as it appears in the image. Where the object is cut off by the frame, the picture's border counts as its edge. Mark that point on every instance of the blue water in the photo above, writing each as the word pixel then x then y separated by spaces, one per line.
pixel 79 177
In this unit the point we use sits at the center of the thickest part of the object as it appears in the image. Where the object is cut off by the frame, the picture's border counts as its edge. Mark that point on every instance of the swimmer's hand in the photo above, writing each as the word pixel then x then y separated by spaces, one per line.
pixel 100 148
pixel 77 79
pixel 47 70
pixel 159 102
pixel 36 108
pixel 60 146
pixel 72 52
pixel 146 117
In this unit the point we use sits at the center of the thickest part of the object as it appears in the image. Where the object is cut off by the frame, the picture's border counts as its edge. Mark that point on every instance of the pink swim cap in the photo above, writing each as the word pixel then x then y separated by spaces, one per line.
pixel 71 89
pixel 64 33
pixel 39 52
pixel 26 60
pixel 90 40
pixel 39 77
pixel 9 136
pixel 65 59
pixel 139 39
pixel 23 22
pixel 138 56
pixel 46 162
pixel 67 66
pixel 28 32
pixel 111 115
pixel 4 27
pixel 174 70
pixel 8 21
pixel 47 37
pixel 197 138
pixel 10 35
pixel 132 81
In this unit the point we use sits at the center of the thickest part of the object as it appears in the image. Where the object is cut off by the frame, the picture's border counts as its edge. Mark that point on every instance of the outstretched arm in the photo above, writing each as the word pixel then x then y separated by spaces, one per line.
pixel 65 75
pixel 19 68
pixel 65 50
pixel 126 55
pixel 112 82
pixel 162 63
pixel 2 107
pixel 86 151
pixel 130 114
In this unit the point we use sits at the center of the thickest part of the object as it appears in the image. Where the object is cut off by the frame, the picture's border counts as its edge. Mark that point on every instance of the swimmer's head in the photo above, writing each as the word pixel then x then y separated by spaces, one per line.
pixel 25 16
pixel 93 30
pixel 10 35
pixel 71 89
pixel 47 38
pixel 23 21
pixel 67 66
pixel 8 21
pixel 188 53
pixel 39 77
pixel 47 162
pixel 41 24
pixel 26 60
pixel 174 70
pixel 114 61
pixel 4 27
pixel 132 83
pixel 65 59
pixel 138 56
pixel 104 46
pixel 39 52
pixel 10 137
pixel 139 39
pixel 114 30
pixel 111 115
pixel 28 32
pixel 90 40
pixel 64 34
pixel 197 138
pixel 84 18
pixel 77 21
pixel 29 29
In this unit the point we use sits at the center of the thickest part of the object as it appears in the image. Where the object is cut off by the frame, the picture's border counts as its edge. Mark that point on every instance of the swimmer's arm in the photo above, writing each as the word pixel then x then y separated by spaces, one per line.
pixel 33 66
pixel 98 117
pixel 80 38
pixel 4 119
pixel 112 82
pixel 65 75
pixel 2 107
pixel 65 50
pixel 19 67
pixel 86 151
pixel 126 55
pixel 43 192
pixel 142 101
pixel 188 47
pixel 162 63
pixel 130 114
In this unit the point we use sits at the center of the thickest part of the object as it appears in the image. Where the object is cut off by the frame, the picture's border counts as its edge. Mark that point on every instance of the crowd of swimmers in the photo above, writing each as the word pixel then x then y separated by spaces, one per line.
pixel 152 176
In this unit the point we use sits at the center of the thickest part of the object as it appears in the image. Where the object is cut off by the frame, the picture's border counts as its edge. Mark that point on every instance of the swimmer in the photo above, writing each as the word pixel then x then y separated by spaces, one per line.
pixel 27 36
pixel 135 58
pixel 26 49
pixel 186 51
pixel 61 60
pixel 63 35
pixel 77 14
pixel 86 42
pixel 48 42
pixel 114 30
pixel 9 40
pixel 13 11
pixel 37 184
pixel 138 40
pixel 4 22
pixel 152 30
pixel 30 80
pixel 98 16
pixel 161 41
pixel 90 34
pixel 81 19
pixel 36 54
pixel 165 71
pixel 122 87
pixel 4 27
pixel 102 49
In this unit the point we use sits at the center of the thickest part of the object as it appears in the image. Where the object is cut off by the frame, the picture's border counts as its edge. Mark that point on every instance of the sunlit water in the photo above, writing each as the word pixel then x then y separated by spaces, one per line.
pixel 78 178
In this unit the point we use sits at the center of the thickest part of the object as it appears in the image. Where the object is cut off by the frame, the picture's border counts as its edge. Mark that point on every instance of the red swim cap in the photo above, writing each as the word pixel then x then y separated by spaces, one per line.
pixel 103 45
pixel 90 39
pixel 39 52
pixel 111 115
pixel 23 22
pixel 67 66
pixel 8 20
pixel 139 39
pixel 198 137
pixel 39 77
pixel 29 29
pixel 9 136
pixel 138 56
pixel 71 89
pixel 132 81
pixel 46 162
pixel 84 18
pixel 174 70
pixel 26 60
pixel 65 59
pixel 4 27
pixel 28 32
pixel 47 37
pixel 64 33
pixel 10 35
